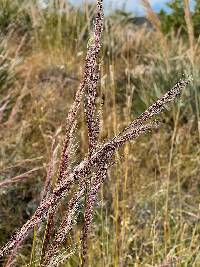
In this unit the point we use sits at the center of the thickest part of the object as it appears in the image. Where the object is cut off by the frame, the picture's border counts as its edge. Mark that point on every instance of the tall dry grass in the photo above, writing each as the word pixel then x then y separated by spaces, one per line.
pixel 152 179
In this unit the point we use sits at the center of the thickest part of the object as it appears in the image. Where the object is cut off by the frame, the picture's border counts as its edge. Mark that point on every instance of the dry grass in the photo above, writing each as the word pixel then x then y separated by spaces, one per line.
pixel 147 213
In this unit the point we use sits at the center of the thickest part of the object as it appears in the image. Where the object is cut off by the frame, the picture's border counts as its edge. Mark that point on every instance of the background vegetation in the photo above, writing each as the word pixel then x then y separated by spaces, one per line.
pixel 148 211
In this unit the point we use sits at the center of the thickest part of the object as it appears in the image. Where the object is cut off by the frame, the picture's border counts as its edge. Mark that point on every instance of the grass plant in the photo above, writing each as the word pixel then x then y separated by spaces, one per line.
pixel 148 212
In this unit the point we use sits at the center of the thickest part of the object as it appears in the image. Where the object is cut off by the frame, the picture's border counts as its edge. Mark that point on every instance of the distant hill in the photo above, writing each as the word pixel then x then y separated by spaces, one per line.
pixel 141 22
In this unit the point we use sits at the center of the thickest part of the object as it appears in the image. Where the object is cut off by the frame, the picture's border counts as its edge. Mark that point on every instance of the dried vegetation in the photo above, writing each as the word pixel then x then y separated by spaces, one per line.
pixel 144 197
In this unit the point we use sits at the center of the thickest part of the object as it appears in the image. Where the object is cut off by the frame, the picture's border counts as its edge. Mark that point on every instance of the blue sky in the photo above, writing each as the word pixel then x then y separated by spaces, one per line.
pixel 131 5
